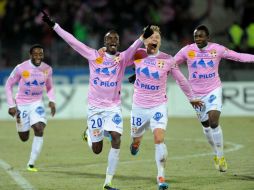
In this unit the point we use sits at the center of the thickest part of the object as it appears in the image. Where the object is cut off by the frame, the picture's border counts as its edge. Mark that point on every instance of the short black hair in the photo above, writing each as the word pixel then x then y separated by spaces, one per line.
pixel 111 31
pixel 204 28
pixel 35 46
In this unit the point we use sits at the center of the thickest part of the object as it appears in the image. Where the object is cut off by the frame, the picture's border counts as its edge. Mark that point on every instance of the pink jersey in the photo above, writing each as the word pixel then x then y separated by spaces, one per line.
pixel 106 73
pixel 32 80
pixel 151 79
pixel 203 65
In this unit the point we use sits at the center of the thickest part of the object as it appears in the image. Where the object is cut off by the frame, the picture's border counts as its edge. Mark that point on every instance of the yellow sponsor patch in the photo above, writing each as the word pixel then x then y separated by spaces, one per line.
pixel 137 60
pixel 99 60
pixel 191 54
pixel 25 74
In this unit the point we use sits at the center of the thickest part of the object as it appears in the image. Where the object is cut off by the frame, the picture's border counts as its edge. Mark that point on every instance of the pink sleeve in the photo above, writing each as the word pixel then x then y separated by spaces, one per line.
pixel 235 56
pixel 130 52
pixel 11 81
pixel 82 49
pixel 179 57
pixel 182 81
pixel 50 87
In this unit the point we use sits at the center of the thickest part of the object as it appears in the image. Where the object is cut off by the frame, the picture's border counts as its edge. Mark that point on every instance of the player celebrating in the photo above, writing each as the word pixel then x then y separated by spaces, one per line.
pixel 149 109
pixel 203 60
pixel 104 103
pixel 32 77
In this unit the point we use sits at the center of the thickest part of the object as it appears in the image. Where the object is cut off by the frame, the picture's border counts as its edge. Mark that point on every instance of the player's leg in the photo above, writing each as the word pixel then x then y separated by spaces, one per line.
pixel 158 126
pixel 113 126
pixel 38 122
pixel 217 135
pixel 22 123
pixel 139 123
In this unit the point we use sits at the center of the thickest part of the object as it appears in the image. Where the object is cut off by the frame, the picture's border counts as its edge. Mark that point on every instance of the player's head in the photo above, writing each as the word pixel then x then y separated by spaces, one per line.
pixel 201 36
pixel 36 54
pixel 111 42
pixel 153 43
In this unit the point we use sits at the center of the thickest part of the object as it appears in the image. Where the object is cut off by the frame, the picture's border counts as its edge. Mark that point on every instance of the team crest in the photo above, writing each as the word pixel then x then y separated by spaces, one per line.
pixel 25 74
pixel 45 72
pixel 191 54
pixel 213 53
pixel 99 60
pixel 117 59
pixel 160 64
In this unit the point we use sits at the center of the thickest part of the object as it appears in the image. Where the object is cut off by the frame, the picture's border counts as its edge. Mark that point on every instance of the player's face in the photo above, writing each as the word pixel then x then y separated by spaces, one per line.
pixel 200 38
pixel 153 43
pixel 111 42
pixel 37 56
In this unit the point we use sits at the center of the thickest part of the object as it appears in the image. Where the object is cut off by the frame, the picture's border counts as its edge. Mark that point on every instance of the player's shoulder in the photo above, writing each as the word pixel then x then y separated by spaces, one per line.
pixel 45 65
pixel 163 55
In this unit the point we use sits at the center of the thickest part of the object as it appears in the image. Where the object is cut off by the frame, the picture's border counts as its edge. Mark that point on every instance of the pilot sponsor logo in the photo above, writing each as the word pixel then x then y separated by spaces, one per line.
pixel 97 81
pixel 146 86
pixel 203 76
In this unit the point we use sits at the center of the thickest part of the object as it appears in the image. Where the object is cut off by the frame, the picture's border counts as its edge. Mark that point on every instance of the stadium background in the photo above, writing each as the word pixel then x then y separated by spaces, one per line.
pixel 88 20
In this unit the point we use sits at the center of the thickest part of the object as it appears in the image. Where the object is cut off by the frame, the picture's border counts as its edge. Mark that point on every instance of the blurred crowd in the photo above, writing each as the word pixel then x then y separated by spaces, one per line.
pixel 88 20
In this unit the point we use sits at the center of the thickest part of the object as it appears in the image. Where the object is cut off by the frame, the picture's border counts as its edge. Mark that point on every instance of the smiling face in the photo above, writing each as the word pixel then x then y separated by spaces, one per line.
pixel 201 38
pixel 111 42
pixel 153 43
pixel 37 56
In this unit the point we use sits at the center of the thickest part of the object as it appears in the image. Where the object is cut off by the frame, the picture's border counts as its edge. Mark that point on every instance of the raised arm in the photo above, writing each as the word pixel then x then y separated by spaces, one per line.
pixel 130 52
pixel 78 46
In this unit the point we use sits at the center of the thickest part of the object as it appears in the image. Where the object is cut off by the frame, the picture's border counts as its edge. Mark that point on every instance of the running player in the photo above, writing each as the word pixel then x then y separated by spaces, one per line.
pixel 104 100
pixel 32 77
pixel 203 58
pixel 149 109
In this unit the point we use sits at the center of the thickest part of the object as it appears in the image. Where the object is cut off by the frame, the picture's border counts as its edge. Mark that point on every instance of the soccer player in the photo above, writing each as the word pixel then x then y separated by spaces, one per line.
pixel 32 76
pixel 203 58
pixel 104 103
pixel 149 109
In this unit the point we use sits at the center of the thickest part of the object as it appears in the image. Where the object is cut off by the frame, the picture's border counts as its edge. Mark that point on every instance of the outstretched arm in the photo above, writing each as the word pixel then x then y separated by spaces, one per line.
pixel 235 56
pixel 78 46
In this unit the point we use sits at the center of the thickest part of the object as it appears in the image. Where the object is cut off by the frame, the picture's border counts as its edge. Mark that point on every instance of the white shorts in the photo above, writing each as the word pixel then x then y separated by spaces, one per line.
pixel 212 101
pixel 30 114
pixel 102 120
pixel 145 118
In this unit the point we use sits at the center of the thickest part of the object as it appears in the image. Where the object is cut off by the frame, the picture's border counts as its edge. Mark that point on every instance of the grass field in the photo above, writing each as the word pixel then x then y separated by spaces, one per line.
pixel 66 163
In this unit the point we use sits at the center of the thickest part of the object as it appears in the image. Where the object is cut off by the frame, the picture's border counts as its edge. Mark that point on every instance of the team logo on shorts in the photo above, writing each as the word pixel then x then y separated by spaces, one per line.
pixel 211 98
pixel 40 110
pixel 157 116
pixel 96 132
pixel 117 119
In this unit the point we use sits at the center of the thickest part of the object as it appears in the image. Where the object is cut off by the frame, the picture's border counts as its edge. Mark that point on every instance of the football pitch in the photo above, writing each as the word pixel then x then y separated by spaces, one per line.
pixel 67 163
